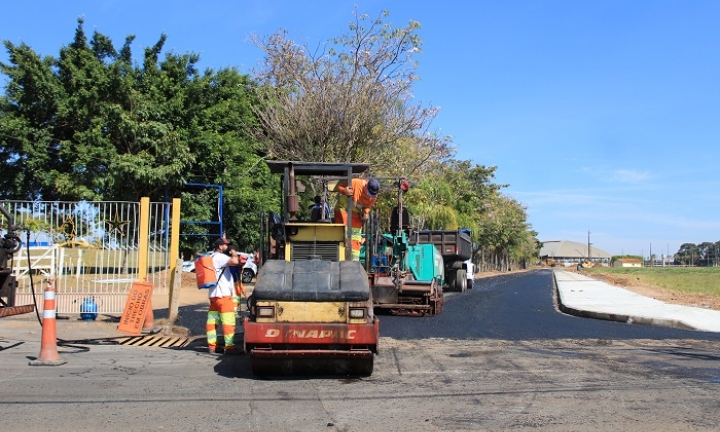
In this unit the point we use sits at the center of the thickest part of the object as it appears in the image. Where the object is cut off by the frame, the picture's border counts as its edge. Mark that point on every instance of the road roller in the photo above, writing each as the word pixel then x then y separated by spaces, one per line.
pixel 311 310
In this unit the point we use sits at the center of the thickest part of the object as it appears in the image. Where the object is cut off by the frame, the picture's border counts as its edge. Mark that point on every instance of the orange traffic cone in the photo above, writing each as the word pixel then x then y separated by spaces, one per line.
pixel 48 344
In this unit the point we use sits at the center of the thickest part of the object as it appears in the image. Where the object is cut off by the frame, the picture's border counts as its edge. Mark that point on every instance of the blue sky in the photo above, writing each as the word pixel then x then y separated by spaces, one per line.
pixel 601 116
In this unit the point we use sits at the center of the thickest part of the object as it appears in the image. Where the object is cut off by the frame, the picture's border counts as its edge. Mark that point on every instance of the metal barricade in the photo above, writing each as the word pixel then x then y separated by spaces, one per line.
pixel 92 250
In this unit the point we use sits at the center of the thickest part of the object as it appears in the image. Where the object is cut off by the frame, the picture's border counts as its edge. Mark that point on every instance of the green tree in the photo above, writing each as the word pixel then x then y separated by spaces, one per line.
pixel 452 193
pixel 688 254
pixel 94 124
pixel 103 130
pixel 27 107
pixel 505 235
pixel 706 251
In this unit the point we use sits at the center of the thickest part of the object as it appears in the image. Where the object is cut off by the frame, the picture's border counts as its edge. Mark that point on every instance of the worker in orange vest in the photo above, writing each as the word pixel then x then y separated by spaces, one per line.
pixel 364 193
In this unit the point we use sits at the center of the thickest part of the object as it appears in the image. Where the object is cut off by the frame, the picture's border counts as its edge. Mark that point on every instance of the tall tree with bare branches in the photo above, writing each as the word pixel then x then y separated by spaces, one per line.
pixel 347 100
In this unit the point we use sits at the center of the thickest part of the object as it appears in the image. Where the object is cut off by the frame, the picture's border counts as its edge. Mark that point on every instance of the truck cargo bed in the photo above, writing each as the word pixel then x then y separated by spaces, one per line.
pixel 454 245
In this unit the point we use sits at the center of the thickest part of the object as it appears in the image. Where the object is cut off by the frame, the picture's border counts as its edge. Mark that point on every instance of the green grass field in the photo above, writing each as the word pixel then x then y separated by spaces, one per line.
pixel 690 280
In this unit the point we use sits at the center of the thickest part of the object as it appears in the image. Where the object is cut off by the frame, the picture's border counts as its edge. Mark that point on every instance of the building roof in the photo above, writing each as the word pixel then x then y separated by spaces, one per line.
pixel 558 249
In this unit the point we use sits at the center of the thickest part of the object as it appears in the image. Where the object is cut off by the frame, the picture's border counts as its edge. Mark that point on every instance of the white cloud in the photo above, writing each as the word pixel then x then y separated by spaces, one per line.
pixel 630 176
pixel 626 176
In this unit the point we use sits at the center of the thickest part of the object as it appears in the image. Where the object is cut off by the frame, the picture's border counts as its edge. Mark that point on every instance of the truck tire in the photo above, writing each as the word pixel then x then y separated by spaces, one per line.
pixel 460 281
pixel 450 281
pixel 470 283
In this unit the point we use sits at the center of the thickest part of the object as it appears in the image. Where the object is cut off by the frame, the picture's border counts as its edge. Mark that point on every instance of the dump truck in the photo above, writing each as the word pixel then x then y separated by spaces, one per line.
pixel 311 309
pixel 455 247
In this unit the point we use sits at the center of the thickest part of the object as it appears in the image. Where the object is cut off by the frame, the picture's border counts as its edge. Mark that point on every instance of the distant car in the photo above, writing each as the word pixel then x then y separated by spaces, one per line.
pixel 249 270
pixel 188 266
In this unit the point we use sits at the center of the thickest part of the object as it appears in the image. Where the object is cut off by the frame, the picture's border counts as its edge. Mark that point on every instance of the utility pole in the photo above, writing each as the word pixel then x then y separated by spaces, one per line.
pixel 589 255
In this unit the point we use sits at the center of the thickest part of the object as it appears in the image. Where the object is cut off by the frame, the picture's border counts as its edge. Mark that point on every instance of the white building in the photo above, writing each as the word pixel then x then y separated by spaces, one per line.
pixel 569 253
pixel 627 262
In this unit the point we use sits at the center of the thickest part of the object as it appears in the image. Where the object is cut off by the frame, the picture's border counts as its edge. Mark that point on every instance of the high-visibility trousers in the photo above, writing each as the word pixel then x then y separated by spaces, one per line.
pixel 221 313
pixel 356 228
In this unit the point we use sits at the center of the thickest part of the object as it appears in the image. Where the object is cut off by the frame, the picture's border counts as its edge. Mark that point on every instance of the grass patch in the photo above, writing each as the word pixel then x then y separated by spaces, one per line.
pixel 687 280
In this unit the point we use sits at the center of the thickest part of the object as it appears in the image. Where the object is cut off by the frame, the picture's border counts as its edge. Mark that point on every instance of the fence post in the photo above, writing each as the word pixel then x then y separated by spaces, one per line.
pixel 144 237
pixel 175 283
pixel 175 260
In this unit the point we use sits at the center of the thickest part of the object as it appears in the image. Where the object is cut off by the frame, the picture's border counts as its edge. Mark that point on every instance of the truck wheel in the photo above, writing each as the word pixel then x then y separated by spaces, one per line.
pixel 451 281
pixel 460 281
pixel 470 283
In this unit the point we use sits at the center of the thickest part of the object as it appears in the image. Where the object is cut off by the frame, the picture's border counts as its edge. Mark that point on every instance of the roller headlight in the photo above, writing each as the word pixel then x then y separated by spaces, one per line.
pixel 266 312
pixel 357 313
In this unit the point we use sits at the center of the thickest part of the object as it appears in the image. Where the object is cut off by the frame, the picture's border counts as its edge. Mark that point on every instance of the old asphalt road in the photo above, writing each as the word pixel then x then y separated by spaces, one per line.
pixel 501 356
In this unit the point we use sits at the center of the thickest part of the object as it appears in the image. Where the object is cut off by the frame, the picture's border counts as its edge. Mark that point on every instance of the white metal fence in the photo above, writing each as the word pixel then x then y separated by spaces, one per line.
pixel 90 249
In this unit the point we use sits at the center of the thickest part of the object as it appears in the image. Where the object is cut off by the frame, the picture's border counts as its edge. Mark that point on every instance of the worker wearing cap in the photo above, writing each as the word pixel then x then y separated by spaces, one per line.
pixel 364 194
pixel 222 306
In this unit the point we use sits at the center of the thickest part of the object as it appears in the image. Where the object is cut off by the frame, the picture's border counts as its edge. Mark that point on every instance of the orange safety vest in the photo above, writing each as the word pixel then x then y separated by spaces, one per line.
pixel 363 202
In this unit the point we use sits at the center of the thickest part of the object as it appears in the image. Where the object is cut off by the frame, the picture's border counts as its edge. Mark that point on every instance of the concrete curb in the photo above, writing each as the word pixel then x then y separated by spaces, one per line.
pixel 627 318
